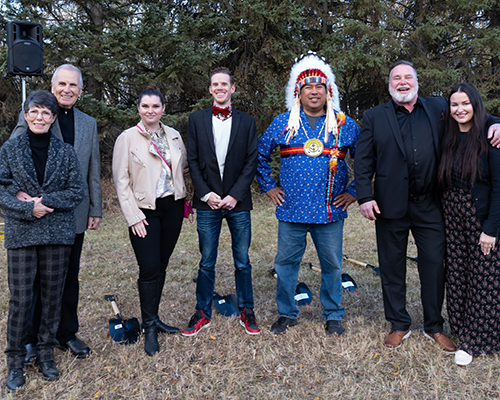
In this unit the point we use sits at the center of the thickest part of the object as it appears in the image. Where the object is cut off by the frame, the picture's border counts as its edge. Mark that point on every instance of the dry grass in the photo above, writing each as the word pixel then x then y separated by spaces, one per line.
pixel 225 363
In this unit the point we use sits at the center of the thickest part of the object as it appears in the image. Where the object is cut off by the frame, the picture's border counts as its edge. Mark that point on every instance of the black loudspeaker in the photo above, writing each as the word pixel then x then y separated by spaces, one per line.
pixel 24 41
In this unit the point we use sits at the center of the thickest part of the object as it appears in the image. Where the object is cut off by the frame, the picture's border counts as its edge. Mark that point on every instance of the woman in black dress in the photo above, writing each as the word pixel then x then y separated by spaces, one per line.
pixel 469 172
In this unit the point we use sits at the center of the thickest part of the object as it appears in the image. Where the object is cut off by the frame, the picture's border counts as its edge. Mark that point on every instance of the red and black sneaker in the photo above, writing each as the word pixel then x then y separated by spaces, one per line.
pixel 197 322
pixel 247 320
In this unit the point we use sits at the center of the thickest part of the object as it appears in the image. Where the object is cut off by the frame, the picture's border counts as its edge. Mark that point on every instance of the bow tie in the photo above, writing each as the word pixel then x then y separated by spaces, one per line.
pixel 224 111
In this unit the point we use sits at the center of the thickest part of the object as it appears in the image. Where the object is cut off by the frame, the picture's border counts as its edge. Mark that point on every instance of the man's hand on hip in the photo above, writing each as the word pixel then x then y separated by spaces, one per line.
pixel 344 199
pixel 276 195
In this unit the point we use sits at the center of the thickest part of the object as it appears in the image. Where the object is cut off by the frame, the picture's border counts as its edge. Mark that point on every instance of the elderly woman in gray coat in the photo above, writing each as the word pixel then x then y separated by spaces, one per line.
pixel 40 186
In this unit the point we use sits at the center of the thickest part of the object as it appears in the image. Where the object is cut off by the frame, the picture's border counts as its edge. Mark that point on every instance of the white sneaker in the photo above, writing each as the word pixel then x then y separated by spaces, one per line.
pixel 462 358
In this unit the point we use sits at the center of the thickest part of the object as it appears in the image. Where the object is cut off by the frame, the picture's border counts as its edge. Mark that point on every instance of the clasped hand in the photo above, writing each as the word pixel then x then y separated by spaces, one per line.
pixel 216 203
pixel 39 210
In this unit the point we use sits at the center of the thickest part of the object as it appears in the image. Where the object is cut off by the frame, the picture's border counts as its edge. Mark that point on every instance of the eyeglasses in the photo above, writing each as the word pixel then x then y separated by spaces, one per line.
pixel 46 115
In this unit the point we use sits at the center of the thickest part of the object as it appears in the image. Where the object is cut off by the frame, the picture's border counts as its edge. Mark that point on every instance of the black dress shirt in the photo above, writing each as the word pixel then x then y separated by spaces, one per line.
pixel 418 142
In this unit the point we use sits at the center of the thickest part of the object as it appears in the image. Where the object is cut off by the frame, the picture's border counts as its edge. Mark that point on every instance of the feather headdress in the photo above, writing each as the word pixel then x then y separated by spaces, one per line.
pixel 311 68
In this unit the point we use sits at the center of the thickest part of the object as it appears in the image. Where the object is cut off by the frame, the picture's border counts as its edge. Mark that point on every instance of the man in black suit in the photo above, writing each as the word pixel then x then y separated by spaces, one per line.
pixel 222 157
pixel 400 142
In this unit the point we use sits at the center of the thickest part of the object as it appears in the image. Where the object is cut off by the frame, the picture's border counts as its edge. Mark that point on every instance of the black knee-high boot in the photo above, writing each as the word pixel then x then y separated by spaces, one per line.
pixel 148 295
pixel 160 326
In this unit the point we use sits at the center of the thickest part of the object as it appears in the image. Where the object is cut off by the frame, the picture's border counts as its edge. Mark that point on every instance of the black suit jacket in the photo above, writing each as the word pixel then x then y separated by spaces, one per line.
pixel 380 150
pixel 241 159
pixel 486 192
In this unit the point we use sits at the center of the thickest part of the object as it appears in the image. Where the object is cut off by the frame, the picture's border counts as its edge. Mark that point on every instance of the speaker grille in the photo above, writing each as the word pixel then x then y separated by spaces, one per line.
pixel 24 41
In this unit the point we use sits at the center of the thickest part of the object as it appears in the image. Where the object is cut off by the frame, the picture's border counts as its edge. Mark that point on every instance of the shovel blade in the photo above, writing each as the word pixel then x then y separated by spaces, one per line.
pixel 116 330
pixel 132 329
pixel 226 305
pixel 124 332
pixel 303 295
pixel 348 283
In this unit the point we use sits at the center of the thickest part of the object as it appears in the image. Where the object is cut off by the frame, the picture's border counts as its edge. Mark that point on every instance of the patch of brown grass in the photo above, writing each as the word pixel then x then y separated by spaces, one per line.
pixel 222 362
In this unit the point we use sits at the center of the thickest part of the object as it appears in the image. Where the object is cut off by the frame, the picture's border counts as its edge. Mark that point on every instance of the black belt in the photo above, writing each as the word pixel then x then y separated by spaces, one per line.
pixel 421 197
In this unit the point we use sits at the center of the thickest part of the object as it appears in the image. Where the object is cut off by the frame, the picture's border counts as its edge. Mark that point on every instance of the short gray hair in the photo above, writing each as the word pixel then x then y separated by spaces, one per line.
pixel 70 67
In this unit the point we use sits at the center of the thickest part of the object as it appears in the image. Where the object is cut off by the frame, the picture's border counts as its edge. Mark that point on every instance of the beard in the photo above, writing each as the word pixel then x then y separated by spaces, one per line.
pixel 403 98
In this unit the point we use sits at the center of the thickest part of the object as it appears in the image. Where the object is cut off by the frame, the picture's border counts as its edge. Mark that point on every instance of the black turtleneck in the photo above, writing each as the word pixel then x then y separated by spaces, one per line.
pixel 39 144
pixel 66 119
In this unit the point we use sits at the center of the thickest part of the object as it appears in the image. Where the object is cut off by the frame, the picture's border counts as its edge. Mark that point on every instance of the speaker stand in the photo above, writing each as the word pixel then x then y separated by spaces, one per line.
pixel 23 79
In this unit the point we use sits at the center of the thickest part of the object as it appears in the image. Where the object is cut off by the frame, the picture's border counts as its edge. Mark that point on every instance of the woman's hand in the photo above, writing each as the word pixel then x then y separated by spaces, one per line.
pixel 23 196
pixel 487 243
pixel 139 229
pixel 39 210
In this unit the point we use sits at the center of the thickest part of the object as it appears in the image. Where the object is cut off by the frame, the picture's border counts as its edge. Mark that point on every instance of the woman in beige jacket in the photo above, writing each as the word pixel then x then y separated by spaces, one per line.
pixel 149 162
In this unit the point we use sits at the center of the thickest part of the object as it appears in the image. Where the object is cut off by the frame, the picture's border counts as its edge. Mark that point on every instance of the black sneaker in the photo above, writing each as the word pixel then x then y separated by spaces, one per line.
pixel 333 327
pixel 197 322
pixel 247 320
pixel 282 323
pixel 15 379
pixel 49 370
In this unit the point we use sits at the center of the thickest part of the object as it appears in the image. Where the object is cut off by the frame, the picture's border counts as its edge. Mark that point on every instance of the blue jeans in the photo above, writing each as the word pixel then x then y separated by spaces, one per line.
pixel 327 239
pixel 209 224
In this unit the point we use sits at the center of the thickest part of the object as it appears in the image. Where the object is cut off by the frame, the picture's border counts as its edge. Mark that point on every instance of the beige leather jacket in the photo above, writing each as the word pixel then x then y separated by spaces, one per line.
pixel 137 167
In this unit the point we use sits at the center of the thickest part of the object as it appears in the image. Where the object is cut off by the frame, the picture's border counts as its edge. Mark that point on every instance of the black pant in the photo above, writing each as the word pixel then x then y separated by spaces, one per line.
pixel 164 226
pixel 68 326
pixel 425 220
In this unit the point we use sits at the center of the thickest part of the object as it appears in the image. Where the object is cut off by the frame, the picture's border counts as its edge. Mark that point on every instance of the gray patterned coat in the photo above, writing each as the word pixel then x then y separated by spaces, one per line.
pixel 62 190
pixel 87 150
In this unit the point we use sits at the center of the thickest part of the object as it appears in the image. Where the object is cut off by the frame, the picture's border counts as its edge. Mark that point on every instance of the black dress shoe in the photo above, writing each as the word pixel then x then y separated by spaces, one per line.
pixel 15 379
pixel 163 328
pixel 49 370
pixel 78 347
pixel 30 358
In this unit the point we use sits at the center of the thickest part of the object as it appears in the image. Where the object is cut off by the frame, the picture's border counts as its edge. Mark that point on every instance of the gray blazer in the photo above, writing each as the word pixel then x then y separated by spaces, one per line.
pixel 87 151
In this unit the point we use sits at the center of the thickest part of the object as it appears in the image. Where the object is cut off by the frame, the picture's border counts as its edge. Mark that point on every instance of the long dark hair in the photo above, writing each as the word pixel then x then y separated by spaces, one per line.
pixel 467 153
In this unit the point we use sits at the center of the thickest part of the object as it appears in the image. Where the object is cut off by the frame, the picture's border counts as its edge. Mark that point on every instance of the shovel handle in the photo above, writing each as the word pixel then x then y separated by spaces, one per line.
pixel 358 262
pixel 116 309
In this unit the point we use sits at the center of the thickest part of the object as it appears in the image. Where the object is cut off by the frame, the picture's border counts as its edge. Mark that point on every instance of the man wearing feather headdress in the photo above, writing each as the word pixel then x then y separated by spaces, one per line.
pixel 314 137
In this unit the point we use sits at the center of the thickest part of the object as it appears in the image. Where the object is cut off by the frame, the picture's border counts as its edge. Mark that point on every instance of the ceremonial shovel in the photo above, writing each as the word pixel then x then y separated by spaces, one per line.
pixel 122 331
pixel 303 295
pixel 347 282
pixel 226 305
pixel 376 269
